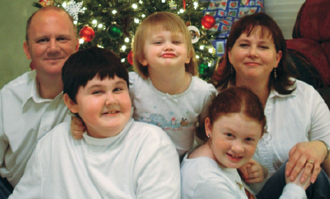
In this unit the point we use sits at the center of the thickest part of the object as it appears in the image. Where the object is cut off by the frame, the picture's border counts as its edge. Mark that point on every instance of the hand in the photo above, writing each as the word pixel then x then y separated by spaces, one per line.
pixel 296 181
pixel 77 127
pixel 308 155
pixel 252 172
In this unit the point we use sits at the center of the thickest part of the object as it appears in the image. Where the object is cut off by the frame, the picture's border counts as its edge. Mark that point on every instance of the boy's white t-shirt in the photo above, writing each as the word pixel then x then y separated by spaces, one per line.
pixel 177 115
pixel 139 162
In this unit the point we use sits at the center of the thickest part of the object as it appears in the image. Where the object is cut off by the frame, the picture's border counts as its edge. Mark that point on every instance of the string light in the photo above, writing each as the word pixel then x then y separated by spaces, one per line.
pixel 123 48
pixel 126 39
pixel 136 20
pixel 122 60
pixel 94 21
pixel 195 5
pixel 64 4
pixel 114 12
pixel 100 25
pixel 134 6
pixel 81 41
pixel 201 47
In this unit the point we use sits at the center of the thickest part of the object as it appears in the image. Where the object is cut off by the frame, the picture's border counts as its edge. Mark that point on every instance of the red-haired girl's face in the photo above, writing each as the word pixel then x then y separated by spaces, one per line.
pixel 233 139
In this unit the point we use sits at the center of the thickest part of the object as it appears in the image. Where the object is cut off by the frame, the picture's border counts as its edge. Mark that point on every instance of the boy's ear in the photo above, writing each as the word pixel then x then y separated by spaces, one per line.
pixel 73 107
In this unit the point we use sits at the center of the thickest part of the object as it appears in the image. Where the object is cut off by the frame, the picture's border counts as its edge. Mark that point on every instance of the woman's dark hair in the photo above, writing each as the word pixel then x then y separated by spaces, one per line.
pixel 236 100
pixel 223 74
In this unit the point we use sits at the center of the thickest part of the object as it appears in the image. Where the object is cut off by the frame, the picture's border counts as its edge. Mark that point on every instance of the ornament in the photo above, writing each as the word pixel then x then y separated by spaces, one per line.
pixel 45 3
pixel 172 5
pixel 184 4
pixel 87 33
pixel 195 34
pixel 114 32
pixel 74 8
pixel 202 69
pixel 208 21
pixel 130 57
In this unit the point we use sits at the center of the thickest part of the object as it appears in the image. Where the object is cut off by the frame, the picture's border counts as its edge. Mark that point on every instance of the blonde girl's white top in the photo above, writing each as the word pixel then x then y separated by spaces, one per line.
pixel 178 115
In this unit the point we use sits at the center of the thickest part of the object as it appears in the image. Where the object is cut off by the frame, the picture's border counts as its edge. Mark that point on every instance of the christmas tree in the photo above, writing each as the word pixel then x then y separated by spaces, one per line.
pixel 112 24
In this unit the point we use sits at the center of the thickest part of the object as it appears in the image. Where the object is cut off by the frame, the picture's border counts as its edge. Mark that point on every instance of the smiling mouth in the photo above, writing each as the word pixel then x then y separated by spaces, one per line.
pixel 252 64
pixel 53 59
pixel 110 112
pixel 237 157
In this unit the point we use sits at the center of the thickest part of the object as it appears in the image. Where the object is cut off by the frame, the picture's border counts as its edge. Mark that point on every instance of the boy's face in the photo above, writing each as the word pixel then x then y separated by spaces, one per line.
pixel 165 49
pixel 104 106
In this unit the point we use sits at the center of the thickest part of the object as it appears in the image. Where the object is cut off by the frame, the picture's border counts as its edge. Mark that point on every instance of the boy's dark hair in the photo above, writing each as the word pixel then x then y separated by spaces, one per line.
pixel 84 65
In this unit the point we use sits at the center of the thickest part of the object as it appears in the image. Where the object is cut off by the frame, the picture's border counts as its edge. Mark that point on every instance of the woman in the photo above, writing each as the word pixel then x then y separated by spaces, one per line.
pixel 298 120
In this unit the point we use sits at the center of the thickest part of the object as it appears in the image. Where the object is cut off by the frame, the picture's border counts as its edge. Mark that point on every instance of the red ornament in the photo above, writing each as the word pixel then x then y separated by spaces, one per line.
pixel 130 57
pixel 45 3
pixel 87 33
pixel 208 21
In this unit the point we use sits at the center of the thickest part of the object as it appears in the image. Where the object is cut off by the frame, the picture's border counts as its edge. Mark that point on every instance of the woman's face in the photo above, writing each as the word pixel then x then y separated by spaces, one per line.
pixel 254 57
pixel 233 139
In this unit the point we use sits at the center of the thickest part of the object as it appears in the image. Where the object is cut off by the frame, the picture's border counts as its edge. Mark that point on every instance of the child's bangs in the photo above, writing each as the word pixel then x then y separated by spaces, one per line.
pixel 166 25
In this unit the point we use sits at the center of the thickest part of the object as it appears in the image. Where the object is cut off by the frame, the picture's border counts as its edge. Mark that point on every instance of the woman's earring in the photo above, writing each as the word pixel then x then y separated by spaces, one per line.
pixel 208 135
pixel 275 74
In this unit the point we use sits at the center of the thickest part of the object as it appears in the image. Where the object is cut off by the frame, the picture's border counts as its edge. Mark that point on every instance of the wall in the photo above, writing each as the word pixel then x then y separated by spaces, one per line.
pixel 284 12
pixel 13 15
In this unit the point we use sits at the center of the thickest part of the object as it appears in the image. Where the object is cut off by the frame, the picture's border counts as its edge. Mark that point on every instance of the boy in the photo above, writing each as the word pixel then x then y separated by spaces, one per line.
pixel 117 157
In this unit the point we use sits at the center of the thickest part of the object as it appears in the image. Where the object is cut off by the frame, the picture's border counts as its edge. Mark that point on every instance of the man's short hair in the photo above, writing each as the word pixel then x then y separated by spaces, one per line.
pixel 28 23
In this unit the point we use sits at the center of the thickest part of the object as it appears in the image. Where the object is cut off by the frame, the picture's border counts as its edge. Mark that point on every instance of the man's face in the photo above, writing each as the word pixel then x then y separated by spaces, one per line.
pixel 52 39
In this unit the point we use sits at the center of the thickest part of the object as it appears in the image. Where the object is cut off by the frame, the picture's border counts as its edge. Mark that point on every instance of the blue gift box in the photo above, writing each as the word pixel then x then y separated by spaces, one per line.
pixel 226 12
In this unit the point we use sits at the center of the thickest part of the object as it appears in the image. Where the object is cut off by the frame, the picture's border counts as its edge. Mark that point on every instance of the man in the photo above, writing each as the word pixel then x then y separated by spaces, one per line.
pixel 32 104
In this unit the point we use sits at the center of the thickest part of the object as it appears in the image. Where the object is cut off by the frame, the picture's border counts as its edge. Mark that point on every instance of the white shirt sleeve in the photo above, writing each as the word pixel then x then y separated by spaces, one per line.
pixel 320 119
pixel 293 191
pixel 214 189
pixel 32 173
pixel 3 139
